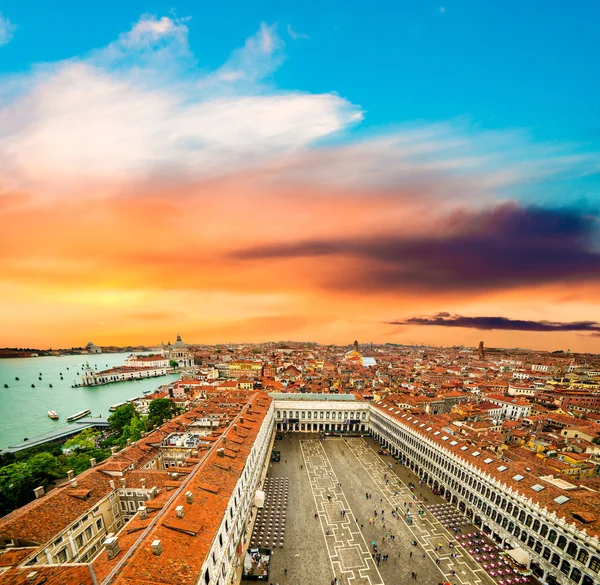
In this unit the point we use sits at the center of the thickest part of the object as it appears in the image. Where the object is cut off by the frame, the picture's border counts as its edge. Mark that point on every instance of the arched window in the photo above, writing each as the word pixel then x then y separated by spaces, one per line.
pixel 552 536
pixel 575 575
pixel 562 542
pixel 544 530
pixel 536 526
pixel 595 564
pixel 522 516
pixel 546 553
pixel 572 549
pixel 529 521
pixel 555 560
pixel 583 556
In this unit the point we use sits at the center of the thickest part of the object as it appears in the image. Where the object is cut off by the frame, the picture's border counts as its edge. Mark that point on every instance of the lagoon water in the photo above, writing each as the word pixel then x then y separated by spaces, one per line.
pixel 24 410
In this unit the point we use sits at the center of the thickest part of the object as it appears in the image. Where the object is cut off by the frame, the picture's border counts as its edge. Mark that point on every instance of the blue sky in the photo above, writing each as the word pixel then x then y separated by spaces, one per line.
pixel 526 65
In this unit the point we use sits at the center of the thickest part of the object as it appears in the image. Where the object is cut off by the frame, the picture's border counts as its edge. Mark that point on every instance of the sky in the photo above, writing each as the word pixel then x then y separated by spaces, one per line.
pixel 405 172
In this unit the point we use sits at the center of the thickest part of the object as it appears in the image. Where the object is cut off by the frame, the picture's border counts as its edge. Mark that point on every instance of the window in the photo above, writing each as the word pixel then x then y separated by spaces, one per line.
pixel 552 536
pixel 327 414
pixel 595 564
pixel 61 557
pixel 88 533
pixel 575 575
pixel 99 524
pixel 309 414
pixel 79 540
pixel 583 556
pixel 546 553
pixel 321 414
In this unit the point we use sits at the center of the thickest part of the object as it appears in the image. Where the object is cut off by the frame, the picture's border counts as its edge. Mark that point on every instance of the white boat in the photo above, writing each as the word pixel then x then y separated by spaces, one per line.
pixel 79 415
pixel 53 414
pixel 115 406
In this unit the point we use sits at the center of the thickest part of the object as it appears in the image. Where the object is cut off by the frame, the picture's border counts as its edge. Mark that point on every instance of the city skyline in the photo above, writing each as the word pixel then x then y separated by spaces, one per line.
pixel 429 177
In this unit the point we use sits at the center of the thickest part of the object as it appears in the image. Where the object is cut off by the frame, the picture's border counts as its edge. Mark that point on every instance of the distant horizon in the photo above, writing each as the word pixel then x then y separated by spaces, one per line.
pixel 360 344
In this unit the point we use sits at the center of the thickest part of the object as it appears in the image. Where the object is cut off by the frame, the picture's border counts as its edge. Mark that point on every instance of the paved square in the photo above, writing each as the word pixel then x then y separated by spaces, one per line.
pixel 338 541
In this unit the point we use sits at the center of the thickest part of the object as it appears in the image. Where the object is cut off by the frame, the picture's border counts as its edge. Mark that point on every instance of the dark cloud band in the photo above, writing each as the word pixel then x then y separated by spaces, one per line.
pixel 502 323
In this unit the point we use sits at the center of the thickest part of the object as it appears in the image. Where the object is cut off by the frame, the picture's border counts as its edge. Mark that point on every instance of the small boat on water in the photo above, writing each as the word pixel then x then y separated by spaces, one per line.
pixel 53 414
pixel 147 392
pixel 79 415
pixel 6 385
pixel 16 377
pixel 33 385
pixel 50 385
pixel 115 406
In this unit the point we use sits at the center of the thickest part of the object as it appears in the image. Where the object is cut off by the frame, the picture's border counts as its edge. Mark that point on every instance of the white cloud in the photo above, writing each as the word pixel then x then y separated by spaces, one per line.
pixel 295 35
pixel 111 114
pixel 7 30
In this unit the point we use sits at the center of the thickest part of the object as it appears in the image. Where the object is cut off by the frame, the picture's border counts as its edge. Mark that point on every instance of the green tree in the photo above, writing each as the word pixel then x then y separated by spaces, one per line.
pixel 159 410
pixel 173 364
pixel 84 441
pixel 16 486
pixel 121 417
pixel 45 466
pixel 132 431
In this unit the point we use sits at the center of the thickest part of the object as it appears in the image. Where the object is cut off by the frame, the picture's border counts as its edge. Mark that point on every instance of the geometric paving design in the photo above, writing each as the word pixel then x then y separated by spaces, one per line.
pixel 425 528
pixel 349 554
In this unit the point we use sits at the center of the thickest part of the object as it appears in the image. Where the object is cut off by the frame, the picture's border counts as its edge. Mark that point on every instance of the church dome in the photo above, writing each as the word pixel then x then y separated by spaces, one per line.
pixel 179 344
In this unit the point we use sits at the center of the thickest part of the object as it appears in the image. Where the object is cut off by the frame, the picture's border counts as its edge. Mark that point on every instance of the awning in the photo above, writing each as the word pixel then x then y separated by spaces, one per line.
pixel 520 556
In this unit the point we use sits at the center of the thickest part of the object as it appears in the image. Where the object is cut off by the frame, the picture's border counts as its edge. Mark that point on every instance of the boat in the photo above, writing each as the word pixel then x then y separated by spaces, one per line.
pixel 147 392
pixel 33 385
pixel 115 406
pixel 6 385
pixel 53 414
pixel 50 385
pixel 16 377
pixel 79 415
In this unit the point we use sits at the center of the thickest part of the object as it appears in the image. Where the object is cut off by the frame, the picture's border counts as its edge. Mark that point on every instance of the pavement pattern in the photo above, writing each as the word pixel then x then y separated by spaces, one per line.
pixel 334 545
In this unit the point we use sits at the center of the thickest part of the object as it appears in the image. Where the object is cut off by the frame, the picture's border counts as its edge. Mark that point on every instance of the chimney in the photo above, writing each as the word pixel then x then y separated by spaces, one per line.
pixel 73 482
pixel 143 433
pixel 153 492
pixel 112 547
pixel 189 497
pixel 242 419
pixel 114 449
pixel 224 440
pixel 70 474
pixel 128 442
pixel 143 512
pixel 156 548
pixel 235 428
pixel 93 462
pixel 179 511
pixel 143 482
pixel 123 482
pixel 221 452
pixel 111 483
pixel 31 576
pixel 39 492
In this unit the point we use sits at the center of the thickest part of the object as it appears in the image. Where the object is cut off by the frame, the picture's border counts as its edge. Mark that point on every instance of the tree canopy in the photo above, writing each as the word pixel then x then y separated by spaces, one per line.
pixel 160 410
pixel 84 441
pixel 121 417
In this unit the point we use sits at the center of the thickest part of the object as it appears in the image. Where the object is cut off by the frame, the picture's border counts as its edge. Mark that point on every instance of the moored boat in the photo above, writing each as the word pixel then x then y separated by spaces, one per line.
pixel 79 415
pixel 115 406
pixel 53 414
